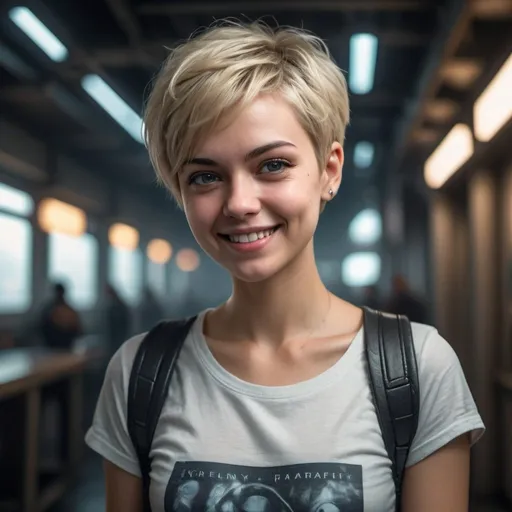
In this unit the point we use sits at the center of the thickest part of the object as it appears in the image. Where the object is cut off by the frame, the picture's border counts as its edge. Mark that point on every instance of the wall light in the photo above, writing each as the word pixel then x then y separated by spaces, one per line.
pixel 494 106
pixel 122 236
pixel 187 260
pixel 57 217
pixel 159 251
pixel 361 269
pixel 366 227
pixel 449 156
pixel 363 154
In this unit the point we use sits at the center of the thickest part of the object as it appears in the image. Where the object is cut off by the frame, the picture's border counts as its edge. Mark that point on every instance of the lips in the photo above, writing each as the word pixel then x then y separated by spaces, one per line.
pixel 250 236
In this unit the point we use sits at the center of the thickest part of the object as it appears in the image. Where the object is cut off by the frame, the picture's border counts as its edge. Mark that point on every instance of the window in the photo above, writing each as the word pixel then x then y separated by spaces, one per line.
pixel 125 273
pixel 74 262
pixel 15 250
pixel 157 278
pixel 361 269
pixel 15 264
pixel 15 201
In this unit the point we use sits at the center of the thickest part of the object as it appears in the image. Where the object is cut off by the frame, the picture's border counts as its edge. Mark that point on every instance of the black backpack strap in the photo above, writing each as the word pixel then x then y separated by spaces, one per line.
pixel 150 377
pixel 393 372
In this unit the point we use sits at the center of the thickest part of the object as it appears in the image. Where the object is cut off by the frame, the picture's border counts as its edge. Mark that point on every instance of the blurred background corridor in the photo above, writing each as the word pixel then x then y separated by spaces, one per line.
pixel 92 251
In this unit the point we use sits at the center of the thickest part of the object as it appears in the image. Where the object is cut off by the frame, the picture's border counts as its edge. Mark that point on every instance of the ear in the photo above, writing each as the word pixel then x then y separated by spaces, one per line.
pixel 332 172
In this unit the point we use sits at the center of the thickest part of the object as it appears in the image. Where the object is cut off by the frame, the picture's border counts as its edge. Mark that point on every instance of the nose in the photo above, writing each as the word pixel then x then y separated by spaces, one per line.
pixel 242 198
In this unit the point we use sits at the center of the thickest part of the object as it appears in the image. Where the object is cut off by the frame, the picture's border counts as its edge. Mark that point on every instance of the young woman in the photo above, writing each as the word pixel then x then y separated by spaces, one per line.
pixel 245 126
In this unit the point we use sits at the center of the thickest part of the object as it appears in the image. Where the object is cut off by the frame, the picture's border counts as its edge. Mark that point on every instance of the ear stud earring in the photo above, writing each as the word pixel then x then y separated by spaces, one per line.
pixel 331 193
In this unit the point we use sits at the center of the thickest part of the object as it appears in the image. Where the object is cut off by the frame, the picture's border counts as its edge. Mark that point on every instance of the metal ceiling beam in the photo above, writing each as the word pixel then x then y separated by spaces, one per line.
pixel 376 100
pixel 94 142
pixel 72 106
pixel 129 24
pixel 492 9
pixel 25 95
pixel 125 56
pixel 13 63
pixel 59 96
pixel 128 56
pixel 126 20
pixel 455 22
pixel 218 7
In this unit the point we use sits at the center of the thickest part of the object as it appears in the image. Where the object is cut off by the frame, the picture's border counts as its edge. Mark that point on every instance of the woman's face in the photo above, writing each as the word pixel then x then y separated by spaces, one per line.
pixel 253 190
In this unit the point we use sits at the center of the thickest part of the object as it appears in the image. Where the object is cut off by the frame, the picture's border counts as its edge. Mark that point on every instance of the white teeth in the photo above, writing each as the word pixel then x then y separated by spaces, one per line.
pixel 250 237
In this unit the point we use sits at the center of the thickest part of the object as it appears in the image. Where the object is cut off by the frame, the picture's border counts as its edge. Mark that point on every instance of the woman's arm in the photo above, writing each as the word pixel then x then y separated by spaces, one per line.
pixel 440 482
pixel 124 490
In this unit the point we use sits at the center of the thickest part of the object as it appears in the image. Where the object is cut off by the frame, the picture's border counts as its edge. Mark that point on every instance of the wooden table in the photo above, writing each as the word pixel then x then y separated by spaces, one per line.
pixel 23 373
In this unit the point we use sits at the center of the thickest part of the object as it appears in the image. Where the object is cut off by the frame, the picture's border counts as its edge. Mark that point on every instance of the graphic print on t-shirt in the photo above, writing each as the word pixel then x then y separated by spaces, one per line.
pixel 214 487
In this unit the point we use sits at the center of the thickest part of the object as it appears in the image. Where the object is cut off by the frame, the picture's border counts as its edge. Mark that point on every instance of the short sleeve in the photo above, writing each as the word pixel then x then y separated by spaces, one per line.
pixel 447 408
pixel 108 435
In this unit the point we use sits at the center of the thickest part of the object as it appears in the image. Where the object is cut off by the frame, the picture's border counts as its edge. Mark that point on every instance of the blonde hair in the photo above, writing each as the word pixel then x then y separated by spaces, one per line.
pixel 226 67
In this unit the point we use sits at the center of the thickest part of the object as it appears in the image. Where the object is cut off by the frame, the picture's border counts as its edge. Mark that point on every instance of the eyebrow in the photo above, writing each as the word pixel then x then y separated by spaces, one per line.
pixel 249 156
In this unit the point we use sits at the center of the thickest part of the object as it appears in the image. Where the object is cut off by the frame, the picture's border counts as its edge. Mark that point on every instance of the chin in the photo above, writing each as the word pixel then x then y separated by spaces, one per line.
pixel 253 272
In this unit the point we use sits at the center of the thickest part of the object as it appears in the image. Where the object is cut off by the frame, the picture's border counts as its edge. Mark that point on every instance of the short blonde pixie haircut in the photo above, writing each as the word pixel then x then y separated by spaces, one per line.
pixel 215 74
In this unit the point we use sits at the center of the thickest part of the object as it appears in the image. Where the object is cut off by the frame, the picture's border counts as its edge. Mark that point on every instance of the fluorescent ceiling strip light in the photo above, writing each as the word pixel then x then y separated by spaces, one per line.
pixel 114 105
pixel 33 27
pixel 363 154
pixel 363 60
pixel 449 156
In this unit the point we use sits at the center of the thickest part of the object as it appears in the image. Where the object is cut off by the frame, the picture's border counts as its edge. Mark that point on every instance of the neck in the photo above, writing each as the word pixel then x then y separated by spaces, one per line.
pixel 291 304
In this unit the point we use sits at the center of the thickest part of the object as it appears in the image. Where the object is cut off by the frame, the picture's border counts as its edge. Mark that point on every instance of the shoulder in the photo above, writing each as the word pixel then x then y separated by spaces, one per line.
pixel 121 363
pixel 447 408
pixel 433 352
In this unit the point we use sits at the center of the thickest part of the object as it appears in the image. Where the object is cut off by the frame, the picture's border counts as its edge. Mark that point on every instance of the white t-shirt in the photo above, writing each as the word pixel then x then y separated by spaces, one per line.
pixel 223 444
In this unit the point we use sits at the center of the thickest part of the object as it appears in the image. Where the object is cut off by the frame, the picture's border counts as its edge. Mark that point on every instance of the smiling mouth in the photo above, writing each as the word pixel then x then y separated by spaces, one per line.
pixel 247 238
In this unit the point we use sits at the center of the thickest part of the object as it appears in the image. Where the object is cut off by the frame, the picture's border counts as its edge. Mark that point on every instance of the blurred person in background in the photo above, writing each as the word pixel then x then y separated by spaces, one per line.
pixel 60 326
pixel 6 339
pixel 60 323
pixel 371 297
pixel 117 320
pixel 404 302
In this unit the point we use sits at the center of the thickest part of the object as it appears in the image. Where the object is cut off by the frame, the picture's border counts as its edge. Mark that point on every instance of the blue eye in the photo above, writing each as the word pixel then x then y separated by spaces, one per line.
pixel 274 166
pixel 204 178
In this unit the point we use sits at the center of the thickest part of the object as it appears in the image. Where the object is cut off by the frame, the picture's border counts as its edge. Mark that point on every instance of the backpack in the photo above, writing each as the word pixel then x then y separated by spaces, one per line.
pixel 392 371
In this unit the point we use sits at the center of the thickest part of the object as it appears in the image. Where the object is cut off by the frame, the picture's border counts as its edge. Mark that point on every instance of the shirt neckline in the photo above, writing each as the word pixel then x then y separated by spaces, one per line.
pixel 237 385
